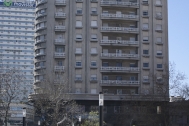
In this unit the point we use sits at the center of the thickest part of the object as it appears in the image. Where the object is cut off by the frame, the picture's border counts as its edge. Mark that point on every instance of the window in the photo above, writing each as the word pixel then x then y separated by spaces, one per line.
pixel 59 63
pixel 78 63
pixel 119 91
pixel 145 64
pixel 117 109
pixel 158 27
pixel 59 49
pixel 93 23
pixel 159 80
pixel 145 1
pixel 78 90
pixel 145 78
pixel 78 24
pixel 132 78
pixel 93 91
pixel 78 37
pixel 104 77
pixel 93 63
pixel 118 77
pixel 79 11
pixel 93 77
pixel 146 52
pixel 158 15
pixel 78 77
pixel 93 10
pixel 158 2
pixel 105 64
pixel 145 26
pixel 145 38
pixel 158 109
pixel 132 65
pixel 93 36
pixel 145 13
pixel 159 39
pixel 78 51
pixel 159 66
pixel 93 50
pixel 159 53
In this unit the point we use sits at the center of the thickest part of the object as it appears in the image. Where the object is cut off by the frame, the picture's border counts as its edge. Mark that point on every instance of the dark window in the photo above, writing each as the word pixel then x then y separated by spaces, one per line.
pixel 159 66
pixel 145 51
pixel 145 64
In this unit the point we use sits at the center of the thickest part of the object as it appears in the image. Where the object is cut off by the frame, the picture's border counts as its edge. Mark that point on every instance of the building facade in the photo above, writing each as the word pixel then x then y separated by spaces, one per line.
pixel 109 46
pixel 17 47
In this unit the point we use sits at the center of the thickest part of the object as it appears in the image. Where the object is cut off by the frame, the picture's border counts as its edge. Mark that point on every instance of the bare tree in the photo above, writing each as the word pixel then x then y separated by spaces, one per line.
pixel 53 103
pixel 10 85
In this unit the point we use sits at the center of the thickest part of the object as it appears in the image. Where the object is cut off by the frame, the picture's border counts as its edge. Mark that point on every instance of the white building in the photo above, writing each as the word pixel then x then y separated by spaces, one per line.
pixel 17 41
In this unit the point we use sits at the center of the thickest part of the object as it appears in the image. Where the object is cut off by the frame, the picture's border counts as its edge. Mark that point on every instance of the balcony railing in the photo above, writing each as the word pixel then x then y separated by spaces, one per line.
pixel 40 15
pixel 122 69
pixel 59 41
pixel 117 3
pixel 120 82
pixel 60 2
pixel 118 16
pixel 120 42
pixel 39 54
pixel 59 68
pixel 59 55
pixel 40 41
pixel 40 28
pixel 118 55
pixel 60 28
pixel 41 2
pixel 60 15
pixel 119 29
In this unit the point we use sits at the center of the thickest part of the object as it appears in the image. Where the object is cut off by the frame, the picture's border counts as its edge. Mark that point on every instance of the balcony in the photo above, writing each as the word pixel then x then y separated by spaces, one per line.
pixel 39 46
pixel 119 4
pixel 119 56
pixel 60 28
pixel 119 42
pixel 59 55
pixel 119 83
pixel 59 42
pixel 39 67
pixel 60 2
pixel 119 29
pixel 41 2
pixel 60 15
pixel 39 54
pixel 119 69
pixel 40 15
pixel 59 68
pixel 119 16
pixel 38 81
pixel 40 28
pixel 40 41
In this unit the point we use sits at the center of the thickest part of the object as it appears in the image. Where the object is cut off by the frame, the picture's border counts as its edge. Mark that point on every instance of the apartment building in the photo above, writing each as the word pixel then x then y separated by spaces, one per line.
pixel 109 46
pixel 17 46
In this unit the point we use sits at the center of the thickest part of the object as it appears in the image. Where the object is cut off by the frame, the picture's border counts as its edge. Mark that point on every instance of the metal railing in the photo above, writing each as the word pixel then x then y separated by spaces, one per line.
pixel 123 16
pixel 103 68
pixel 59 54
pixel 121 55
pixel 119 3
pixel 124 29
pixel 124 82
pixel 60 14
pixel 125 42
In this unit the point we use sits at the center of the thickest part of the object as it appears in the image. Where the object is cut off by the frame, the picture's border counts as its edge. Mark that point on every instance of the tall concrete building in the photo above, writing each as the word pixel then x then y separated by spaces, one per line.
pixel 113 46
pixel 17 50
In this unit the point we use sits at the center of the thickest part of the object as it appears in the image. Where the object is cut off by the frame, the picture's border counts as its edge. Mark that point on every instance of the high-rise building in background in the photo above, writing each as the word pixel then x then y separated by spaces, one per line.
pixel 113 46
pixel 17 49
